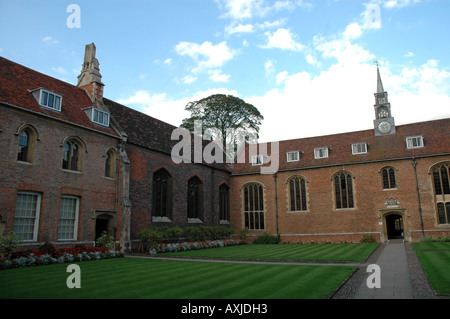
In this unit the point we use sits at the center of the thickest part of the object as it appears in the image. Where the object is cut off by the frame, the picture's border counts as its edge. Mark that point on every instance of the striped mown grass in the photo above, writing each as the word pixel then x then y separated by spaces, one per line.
pixel 158 279
pixel 292 252
pixel 435 260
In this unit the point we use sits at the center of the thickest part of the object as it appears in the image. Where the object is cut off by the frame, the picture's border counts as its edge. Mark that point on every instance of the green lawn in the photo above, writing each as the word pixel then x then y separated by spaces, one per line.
pixel 145 278
pixel 292 252
pixel 435 260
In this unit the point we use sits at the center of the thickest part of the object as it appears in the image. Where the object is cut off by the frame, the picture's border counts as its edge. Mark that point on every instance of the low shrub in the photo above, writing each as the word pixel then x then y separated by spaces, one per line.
pixel 8 244
pixel 267 239
pixel 77 253
pixel 368 239
pixel 105 240
pixel 436 239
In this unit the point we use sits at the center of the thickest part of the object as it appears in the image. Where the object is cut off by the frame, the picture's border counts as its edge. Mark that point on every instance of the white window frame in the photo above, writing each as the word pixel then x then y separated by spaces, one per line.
pixel 359 148
pixel 97 113
pixel 321 152
pixel 37 211
pixel 75 220
pixel 295 154
pixel 53 107
pixel 413 142
pixel 257 160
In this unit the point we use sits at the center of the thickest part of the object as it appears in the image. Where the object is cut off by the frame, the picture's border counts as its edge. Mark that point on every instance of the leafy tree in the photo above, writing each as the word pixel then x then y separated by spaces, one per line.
pixel 225 119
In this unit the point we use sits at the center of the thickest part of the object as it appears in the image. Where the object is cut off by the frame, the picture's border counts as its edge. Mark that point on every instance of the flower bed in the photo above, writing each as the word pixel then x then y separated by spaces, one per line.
pixel 165 248
pixel 61 255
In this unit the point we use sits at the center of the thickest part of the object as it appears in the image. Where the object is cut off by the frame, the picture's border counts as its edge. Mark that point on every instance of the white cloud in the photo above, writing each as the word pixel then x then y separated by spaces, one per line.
pixel 188 79
pixel 206 55
pixel 217 76
pixel 409 54
pixel 239 28
pixel 269 67
pixel 49 40
pixel 166 109
pixel 282 39
pixel 247 9
pixel 353 31
pixel 399 3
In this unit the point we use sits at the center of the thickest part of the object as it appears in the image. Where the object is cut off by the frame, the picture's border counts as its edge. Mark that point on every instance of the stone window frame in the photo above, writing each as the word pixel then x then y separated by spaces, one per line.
pixel 251 214
pixel 33 136
pixel 82 149
pixel 306 194
pixel 387 178
pixel 167 216
pixel 440 172
pixel 195 200
pixel 350 200
pixel 110 170
pixel 224 204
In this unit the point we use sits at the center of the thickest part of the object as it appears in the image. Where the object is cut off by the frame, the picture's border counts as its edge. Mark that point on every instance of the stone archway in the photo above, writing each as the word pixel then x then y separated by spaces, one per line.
pixel 395 226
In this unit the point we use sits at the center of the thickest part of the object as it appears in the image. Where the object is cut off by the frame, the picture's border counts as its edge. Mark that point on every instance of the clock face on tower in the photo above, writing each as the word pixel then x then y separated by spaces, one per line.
pixel 384 127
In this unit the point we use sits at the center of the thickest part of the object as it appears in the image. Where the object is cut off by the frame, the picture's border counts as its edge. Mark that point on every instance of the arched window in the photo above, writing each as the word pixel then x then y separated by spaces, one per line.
pixel 253 196
pixel 110 163
pixel 27 137
pixel 224 202
pixel 441 181
pixel 162 194
pixel 297 194
pixel 73 155
pixel 195 198
pixel 388 175
pixel 343 188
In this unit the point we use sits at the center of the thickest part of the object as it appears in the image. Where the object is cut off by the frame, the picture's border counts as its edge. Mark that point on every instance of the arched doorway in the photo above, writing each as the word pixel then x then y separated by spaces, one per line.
pixel 394 226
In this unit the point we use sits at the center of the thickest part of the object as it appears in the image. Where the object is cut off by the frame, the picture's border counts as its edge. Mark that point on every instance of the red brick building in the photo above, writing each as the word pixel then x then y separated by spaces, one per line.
pixel 76 164
pixel 61 164
pixel 389 182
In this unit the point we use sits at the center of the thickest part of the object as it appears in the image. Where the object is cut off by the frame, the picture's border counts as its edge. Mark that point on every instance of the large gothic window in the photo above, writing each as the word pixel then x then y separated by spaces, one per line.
pixel 195 198
pixel 253 196
pixel 441 181
pixel 224 202
pixel 162 194
pixel 343 188
pixel 297 194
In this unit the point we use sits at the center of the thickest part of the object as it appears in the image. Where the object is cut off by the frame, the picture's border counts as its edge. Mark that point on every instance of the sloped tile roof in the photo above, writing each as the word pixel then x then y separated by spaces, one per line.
pixel 436 136
pixel 17 82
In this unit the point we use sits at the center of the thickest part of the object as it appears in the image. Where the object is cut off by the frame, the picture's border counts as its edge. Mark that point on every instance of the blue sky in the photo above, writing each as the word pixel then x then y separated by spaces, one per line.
pixel 307 65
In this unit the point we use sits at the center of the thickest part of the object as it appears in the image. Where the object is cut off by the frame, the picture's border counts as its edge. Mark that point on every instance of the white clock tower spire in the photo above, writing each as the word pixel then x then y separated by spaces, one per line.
pixel 384 122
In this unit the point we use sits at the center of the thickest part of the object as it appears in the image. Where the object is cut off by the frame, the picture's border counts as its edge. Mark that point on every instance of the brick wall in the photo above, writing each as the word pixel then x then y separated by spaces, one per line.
pixel 144 163
pixel 46 176
pixel 322 222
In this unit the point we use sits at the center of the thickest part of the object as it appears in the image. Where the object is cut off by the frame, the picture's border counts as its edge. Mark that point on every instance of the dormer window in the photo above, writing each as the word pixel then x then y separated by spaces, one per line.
pixel 414 142
pixel 321 152
pixel 48 99
pixel 257 160
pixel 293 156
pixel 98 116
pixel 359 148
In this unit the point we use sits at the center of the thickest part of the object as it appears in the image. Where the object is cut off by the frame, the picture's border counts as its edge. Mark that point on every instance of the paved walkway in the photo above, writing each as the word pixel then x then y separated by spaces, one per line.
pixel 395 276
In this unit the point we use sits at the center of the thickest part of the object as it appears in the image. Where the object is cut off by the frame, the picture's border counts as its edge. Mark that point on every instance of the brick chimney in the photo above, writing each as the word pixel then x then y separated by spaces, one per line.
pixel 90 77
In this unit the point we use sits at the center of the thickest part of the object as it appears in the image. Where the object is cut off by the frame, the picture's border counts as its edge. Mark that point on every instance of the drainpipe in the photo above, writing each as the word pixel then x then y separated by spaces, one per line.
pixel 414 164
pixel 276 200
